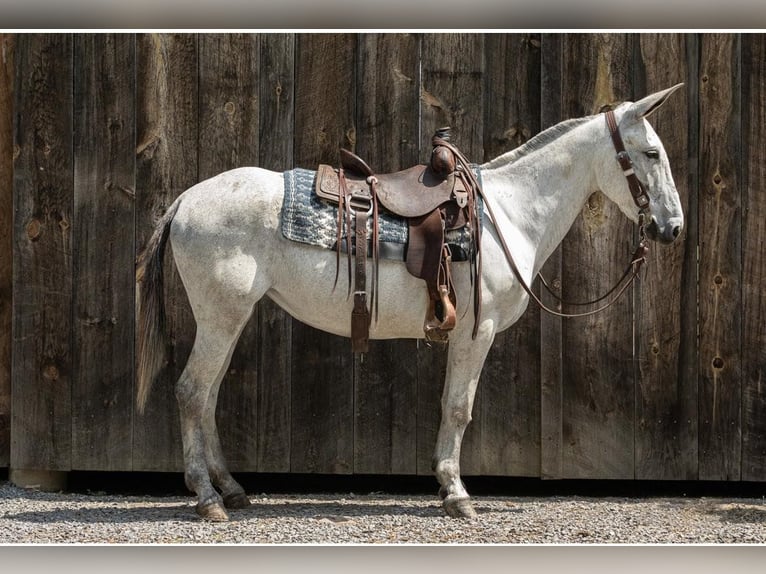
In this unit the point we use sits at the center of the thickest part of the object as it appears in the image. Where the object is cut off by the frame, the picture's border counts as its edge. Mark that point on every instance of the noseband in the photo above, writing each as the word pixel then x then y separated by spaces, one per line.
pixel 640 198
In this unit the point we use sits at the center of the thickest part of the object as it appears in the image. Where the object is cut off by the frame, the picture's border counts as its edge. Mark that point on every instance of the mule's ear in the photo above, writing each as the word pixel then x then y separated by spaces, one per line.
pixel 649 104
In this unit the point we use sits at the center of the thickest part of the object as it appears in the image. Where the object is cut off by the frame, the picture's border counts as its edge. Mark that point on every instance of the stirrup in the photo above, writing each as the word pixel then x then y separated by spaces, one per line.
pixel 436 329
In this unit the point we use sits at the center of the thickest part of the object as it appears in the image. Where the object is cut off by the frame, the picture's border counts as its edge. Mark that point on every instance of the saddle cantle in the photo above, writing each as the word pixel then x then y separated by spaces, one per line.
pixel 433 198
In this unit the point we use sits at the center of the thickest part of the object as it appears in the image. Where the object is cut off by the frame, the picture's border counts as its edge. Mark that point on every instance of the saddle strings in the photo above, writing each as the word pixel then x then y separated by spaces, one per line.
pixel 344 224
pixel 464 171
pixel 343 210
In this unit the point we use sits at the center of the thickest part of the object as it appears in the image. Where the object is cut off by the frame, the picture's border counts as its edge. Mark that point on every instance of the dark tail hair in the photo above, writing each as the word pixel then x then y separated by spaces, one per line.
pixel 150 307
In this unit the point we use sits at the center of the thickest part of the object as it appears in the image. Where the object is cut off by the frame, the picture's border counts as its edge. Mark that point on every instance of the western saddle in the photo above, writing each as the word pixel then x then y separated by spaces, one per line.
pixel 433 198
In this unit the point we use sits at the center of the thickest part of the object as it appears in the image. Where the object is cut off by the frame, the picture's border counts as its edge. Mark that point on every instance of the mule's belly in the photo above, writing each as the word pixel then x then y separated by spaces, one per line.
pixel 303 286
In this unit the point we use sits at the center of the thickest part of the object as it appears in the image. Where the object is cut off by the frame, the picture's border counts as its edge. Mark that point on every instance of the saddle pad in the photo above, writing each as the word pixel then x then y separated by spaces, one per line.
pixel 309 219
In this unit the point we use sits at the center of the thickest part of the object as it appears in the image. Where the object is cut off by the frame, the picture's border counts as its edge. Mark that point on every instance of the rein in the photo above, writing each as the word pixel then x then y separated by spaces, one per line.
pixel 640 198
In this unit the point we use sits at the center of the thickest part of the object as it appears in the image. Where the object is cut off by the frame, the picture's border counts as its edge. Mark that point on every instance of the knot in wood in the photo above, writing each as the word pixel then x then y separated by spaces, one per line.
pixel 34 229
pixel 718 363
pixel 51 373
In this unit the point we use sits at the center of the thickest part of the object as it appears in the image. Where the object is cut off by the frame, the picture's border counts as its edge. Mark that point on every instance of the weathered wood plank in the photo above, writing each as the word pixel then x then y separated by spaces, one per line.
pixel 666 390
pixel 510 382
pixel 720 260
pixel 551 328
pixel 166 165
pixel 452 68
pixel 7 55
pixel 386 135
pixel 277 87
pixel 229 111
pixel 104 251
pixel 228 138
pixel 598 376
pixel 322 409
pixel 41 432
pixel 753 258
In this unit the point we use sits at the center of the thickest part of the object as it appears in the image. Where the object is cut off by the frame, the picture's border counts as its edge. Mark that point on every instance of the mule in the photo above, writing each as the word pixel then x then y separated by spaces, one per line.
pixel 229 252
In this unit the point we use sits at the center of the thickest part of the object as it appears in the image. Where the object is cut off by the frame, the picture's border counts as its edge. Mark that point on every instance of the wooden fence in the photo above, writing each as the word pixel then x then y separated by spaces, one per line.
pixel 100 132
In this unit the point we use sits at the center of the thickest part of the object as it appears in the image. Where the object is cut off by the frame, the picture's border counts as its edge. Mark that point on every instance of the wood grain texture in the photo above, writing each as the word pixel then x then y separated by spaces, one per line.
pixel 598 392
pixel 510 383
pixel 452 72
pixel 720 260
pixel 753 258
pixel 228 138
pixel 322 393
pixel 166 165
pixel 103 251
pixel 41 416
pixel 385 385
pixel 666 390
pixel 277 97
pixel 7 56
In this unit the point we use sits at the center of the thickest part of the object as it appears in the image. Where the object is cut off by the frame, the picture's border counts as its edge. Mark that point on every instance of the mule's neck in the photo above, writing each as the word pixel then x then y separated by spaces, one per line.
pixel 541 192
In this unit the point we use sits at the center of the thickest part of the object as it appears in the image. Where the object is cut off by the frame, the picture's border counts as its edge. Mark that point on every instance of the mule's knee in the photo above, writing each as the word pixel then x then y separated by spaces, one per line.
pixel 459 417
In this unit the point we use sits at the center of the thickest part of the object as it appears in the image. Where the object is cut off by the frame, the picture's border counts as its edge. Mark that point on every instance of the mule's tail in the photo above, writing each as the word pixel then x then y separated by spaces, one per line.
pixel 150 305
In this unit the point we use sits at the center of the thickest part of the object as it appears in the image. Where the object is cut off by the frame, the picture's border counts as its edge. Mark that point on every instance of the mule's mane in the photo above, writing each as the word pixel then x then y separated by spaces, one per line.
pixel 538 141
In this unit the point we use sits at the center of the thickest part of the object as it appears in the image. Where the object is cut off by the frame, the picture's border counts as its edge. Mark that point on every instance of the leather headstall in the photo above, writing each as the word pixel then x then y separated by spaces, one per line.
pixel 637 190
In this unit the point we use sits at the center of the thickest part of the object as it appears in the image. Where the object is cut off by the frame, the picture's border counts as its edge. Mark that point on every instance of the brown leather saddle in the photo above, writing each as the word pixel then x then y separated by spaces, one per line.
pixel 433 198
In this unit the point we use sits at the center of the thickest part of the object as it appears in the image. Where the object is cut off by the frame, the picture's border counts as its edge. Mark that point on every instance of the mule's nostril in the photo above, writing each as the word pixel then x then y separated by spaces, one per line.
pixel 676 231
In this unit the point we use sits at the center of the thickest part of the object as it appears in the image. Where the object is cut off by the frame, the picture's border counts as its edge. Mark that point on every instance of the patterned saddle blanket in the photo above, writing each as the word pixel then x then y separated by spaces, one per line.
pixel 309 219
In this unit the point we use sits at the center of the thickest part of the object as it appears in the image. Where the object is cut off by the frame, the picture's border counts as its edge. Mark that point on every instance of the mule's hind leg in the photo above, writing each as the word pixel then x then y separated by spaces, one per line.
pixel 234 495
pixel 196 392
pixel 465 361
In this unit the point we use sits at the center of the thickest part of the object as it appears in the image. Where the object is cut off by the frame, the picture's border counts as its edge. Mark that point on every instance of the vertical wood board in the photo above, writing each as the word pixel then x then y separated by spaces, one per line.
pixel 452 72
pixel 753 259
pixel 41 434
pixel 166 165
pixel 385 385
pixel 551 327
pixel 510 382
pixel 7 55
pixel 276 125
pixel 598 390
pixel 104 252
pixel 322 394
pixel 720 269
pixel 666 388
pixel 228 138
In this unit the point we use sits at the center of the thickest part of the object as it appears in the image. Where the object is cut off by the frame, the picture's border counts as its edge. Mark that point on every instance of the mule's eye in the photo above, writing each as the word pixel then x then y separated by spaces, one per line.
pixel 652 153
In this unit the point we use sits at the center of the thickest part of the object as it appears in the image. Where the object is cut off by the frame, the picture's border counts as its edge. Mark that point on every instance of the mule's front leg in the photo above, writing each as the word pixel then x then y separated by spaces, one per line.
pixel 464 365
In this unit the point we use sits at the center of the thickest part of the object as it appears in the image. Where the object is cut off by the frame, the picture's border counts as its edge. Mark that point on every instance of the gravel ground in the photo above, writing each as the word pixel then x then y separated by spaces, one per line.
pixel 28 516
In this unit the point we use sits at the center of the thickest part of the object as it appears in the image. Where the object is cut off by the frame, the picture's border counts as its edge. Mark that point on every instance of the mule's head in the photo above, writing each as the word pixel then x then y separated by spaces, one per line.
pixel 664 216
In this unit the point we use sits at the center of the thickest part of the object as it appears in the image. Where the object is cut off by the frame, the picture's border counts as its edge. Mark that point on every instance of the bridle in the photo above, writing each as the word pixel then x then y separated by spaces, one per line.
pixel 640 198
pixel 637 189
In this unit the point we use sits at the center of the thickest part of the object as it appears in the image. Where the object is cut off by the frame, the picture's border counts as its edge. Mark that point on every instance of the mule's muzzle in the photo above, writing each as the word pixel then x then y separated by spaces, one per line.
pixel 667 233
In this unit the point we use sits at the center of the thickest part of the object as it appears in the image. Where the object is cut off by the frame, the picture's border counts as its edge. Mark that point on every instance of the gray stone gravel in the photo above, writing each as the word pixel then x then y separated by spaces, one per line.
pixel 33 517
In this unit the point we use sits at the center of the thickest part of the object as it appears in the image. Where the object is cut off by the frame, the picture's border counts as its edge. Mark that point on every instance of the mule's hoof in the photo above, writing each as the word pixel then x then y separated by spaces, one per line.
pixel 236 500
pixel 212 511
pixel 459 507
